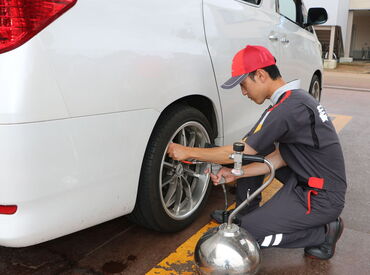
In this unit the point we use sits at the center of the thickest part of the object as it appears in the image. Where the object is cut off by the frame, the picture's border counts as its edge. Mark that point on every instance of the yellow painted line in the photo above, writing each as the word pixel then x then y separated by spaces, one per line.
pixel 182 260
pixel 340 121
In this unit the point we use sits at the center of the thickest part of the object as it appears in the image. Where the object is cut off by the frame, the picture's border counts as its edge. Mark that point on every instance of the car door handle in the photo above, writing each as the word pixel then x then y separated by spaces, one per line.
pixel 284 40
pixel 273 37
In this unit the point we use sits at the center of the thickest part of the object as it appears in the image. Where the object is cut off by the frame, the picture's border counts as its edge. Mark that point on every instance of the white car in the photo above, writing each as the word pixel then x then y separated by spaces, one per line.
pixel 92 92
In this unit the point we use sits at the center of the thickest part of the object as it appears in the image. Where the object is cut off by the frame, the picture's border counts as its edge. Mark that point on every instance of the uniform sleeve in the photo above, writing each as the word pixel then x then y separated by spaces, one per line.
pixel 272 128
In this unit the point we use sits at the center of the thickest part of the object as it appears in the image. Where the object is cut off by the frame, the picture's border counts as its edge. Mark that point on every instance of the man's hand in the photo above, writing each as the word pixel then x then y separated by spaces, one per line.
pixel 225 173
pixel 177 151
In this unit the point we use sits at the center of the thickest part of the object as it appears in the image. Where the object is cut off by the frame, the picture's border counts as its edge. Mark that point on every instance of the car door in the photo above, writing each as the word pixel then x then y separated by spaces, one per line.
pixel 300 49
pixel 229 26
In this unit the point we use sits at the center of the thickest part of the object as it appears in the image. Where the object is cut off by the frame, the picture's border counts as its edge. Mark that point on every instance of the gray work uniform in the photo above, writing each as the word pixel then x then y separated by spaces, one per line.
pixel 314 179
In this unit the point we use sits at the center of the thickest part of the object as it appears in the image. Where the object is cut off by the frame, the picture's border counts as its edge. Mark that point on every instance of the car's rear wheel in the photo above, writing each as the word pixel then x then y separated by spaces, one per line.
pixel 315 87
pixel 171 193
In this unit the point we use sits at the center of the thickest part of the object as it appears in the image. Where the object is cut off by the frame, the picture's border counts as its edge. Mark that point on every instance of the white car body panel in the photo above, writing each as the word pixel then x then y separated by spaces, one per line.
pixel 69 174
pixel 144 57
pixel 79 102
pixel 29 91
pixel 302 46
pixel 230 26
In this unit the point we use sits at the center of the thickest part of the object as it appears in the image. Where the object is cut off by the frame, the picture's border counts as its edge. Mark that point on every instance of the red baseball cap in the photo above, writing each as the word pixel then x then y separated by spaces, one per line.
pixel 248 60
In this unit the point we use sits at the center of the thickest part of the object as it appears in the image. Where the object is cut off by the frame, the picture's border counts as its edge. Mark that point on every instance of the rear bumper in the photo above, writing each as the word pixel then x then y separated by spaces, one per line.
pixel 66 175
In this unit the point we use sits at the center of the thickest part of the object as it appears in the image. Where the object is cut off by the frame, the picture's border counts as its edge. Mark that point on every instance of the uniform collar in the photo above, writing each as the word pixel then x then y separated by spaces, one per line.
pixel 292 85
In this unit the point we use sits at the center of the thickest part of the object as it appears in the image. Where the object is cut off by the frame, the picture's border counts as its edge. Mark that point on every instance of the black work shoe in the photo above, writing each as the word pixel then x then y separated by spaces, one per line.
pixel 218 216
pixel 326 250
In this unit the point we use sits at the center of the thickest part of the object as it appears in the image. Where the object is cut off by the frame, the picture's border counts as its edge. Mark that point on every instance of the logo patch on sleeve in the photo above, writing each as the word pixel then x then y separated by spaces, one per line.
pixel 322 113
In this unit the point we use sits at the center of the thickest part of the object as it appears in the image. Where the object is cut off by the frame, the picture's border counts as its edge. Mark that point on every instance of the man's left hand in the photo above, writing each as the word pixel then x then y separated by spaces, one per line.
pixel 225 173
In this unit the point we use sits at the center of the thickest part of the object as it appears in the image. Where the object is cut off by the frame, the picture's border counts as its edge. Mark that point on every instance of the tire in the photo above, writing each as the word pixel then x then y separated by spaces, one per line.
pixel 315 87
pixel 171 194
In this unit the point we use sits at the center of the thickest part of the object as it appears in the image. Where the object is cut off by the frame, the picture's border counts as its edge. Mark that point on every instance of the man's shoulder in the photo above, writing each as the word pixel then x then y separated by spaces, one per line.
pixel 291 100
pixel 301 95
pixel 300 98
pixel 292 106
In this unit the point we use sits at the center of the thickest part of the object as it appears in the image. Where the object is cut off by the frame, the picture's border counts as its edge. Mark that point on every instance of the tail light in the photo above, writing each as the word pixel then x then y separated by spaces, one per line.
pixel 20 20
pixel 8 209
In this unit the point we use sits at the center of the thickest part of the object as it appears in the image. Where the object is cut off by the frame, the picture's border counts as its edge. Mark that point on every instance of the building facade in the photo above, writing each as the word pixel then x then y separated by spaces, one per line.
pixel 346 35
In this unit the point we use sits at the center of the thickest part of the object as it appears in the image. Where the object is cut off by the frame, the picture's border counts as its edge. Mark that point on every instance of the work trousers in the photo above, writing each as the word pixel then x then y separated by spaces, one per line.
pixel 283 221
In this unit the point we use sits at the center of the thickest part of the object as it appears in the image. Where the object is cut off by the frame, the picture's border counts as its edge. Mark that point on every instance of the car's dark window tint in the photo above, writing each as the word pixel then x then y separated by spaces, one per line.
pixel 256 2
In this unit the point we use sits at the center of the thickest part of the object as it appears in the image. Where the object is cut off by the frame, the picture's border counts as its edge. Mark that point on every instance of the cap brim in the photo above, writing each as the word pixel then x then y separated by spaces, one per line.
pixel 232 82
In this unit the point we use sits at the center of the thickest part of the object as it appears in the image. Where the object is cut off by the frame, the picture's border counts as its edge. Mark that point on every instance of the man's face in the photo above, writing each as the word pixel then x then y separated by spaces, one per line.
pixel 254 88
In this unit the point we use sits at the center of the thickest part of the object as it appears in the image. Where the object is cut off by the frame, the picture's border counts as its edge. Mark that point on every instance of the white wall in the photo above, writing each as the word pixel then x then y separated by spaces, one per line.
pixel 359 4
pixel 342 17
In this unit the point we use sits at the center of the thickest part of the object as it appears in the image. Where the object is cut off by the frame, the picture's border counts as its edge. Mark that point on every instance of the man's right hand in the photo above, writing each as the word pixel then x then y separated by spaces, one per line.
pixel 178 151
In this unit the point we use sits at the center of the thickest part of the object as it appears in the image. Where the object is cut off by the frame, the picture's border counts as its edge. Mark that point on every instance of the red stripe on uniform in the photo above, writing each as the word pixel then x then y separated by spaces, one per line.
pixel 287 94
pixel 309 200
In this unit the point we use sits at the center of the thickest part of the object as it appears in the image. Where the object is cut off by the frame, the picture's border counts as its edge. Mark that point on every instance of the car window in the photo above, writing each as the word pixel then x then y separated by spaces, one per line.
pixel 256 2
pixel 292 9
pixel 288 9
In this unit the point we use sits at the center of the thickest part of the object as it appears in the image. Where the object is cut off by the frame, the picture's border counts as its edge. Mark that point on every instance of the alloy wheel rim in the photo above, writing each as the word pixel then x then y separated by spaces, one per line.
pixel 183 186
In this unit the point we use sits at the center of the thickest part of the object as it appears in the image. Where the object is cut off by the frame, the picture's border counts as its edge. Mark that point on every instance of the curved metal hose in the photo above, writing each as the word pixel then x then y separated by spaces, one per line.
pixel 255 194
